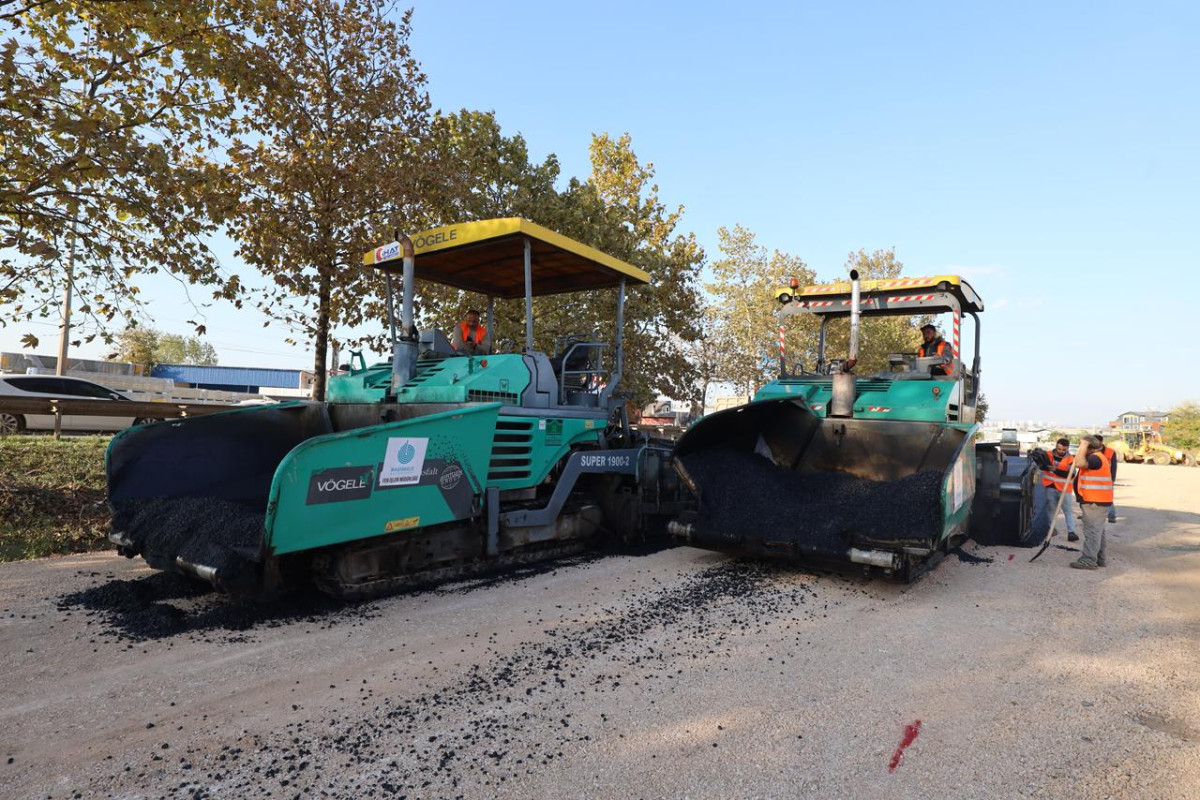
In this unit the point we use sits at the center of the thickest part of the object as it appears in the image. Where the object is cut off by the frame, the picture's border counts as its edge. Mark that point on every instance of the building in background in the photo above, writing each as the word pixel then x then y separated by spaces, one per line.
pixel 1140 421
pixel 173 382
pixel 250 380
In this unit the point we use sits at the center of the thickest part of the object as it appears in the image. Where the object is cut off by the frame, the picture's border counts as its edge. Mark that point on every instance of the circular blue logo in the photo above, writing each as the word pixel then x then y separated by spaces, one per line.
pixel 405 454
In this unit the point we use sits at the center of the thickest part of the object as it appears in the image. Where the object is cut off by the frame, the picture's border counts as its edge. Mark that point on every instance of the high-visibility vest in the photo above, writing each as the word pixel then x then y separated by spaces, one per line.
pixel 940 350
pixel 465 332
pixel 1058 481
pixel 1095 485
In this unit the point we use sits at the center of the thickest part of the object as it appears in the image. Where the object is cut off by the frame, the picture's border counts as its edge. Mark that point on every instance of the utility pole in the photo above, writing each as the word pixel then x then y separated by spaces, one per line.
pixel 64 336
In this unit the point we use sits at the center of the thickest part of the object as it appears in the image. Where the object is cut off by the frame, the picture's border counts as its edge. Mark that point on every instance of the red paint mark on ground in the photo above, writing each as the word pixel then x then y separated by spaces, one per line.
pixel 1011 556
pixel 911 732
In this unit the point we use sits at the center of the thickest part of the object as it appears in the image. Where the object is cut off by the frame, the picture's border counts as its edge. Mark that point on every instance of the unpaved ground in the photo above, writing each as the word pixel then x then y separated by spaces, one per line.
pixel 676 674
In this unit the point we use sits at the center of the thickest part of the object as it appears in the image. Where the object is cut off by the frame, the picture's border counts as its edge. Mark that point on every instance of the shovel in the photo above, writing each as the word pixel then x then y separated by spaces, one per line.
pixel 1054 518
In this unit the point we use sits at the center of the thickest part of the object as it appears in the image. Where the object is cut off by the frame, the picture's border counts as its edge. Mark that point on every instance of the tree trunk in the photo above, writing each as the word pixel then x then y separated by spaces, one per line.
pixel 320 365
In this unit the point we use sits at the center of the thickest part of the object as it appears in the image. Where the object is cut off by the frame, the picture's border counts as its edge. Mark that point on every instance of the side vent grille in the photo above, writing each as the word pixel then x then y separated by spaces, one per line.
pixel 479 396
pixel 512 448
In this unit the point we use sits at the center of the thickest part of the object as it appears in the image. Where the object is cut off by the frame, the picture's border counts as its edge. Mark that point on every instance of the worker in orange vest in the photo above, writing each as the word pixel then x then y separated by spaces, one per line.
pixel 470 337
pixel 1111 455
pixel 1054 483
pixel 934 345
pixel 1094 491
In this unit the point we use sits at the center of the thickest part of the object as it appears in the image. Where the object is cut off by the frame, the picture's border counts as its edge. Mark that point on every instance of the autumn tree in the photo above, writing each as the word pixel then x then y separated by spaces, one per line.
pixel 617 210
pixel 483 174
pixel 746 324
pixel 148 347
pixel 175 348
pixel 1183 426
pixel 108 113
pixel 329 155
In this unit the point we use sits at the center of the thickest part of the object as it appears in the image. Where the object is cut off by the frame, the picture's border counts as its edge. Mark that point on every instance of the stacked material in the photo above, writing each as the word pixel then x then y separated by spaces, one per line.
pixel 746 497
pixel 201 530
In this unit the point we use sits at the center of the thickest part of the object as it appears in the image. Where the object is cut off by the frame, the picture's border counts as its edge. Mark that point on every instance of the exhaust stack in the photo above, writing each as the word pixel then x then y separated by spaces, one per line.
pixel 855 314
pixel 841 404
pixel 404 347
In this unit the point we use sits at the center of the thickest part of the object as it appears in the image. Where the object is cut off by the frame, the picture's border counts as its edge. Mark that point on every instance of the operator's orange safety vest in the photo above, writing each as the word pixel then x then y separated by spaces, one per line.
pixel 1057 481
pixel 1096 485
pixel 465 331
pixel 923 352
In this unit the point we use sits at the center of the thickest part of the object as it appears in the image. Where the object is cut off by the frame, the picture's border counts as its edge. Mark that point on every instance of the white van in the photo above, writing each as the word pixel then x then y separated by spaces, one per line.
pixel 64 388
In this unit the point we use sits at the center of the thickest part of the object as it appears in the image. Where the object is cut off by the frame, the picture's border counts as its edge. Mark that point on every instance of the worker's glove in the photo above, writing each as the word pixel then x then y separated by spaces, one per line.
pixel 1039 456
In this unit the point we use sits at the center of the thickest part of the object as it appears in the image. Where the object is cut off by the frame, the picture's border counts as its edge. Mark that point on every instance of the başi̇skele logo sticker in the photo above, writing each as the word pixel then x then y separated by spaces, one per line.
pixel 403 461
pixel 339 484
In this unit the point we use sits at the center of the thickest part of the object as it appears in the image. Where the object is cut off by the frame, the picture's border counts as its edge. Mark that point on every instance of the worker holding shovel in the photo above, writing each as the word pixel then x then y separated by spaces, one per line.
pixel 1094 491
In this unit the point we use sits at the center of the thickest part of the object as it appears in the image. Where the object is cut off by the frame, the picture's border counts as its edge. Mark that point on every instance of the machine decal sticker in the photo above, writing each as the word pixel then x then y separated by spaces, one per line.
pixel 403 462
pixel 450 477
pixel 339 484
pixel 401 524
pixel 958 484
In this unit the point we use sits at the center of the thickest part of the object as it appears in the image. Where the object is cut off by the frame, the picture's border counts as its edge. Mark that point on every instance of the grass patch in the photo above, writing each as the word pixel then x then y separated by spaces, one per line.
pixel 52 496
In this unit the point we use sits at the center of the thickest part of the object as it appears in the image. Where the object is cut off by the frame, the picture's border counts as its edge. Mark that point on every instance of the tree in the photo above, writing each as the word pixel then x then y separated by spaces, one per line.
pixel 1183 426
pixel 174 348
pixel 981 408
pixel 619 212
pixel 108 113
pixel 746 318
pixel 147 348
pixel 138 346
pixel 330 152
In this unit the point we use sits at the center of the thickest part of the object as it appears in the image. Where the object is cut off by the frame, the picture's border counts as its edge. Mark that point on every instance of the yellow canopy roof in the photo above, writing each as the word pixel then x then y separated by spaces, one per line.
pixel 892 293
pixel 488 257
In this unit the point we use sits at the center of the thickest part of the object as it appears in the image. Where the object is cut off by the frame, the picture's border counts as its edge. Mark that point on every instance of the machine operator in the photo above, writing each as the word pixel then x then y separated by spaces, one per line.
pixel 470 337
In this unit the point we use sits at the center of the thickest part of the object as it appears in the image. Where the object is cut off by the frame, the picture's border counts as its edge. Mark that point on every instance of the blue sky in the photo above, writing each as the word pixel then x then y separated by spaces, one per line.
pixel 1047 151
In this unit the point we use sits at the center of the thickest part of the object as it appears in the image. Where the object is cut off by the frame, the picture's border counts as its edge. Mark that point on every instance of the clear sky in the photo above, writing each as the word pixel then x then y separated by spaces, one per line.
pixel 1048 151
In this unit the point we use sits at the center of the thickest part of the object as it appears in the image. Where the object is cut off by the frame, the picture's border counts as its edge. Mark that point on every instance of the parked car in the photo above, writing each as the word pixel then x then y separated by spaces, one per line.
pixel 62 387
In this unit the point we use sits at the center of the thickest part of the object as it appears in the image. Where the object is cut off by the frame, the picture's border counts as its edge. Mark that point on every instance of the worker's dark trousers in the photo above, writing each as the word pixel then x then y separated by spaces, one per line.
pixel 1094 520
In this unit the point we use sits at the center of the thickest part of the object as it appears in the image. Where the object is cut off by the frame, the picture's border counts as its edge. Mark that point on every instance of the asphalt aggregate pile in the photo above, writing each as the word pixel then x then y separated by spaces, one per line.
pixel 201 530
pixel 745 496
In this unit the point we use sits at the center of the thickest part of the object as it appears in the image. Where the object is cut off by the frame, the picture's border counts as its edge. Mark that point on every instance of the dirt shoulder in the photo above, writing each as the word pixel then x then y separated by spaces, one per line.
pixel 677 673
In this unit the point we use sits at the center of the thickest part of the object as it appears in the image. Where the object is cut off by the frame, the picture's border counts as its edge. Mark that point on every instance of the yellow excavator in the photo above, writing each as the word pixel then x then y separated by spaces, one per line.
pixel 1147 447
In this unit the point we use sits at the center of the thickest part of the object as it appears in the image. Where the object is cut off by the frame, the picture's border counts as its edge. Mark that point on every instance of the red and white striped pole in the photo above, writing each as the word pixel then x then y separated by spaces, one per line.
pixel 782 352
pixel 957 326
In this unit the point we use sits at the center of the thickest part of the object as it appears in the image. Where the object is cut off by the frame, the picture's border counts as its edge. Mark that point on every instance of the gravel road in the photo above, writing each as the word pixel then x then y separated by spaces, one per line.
pixel 680 673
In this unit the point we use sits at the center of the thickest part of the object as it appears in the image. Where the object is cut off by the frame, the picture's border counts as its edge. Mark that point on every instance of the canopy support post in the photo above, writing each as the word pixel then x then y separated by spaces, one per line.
pixel 528 296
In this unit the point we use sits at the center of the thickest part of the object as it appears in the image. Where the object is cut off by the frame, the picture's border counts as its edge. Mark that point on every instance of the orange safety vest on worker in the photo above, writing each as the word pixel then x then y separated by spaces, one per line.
pixel 939 348
pixel 1057 481
pixel 1095 485
pixel 465 332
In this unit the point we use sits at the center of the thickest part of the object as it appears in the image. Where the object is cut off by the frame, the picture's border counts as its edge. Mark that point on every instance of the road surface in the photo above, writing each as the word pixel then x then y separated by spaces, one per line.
pixel 681 673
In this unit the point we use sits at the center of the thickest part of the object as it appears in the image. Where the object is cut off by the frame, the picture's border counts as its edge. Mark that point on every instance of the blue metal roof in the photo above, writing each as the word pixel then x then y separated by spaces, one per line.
pixel 229 376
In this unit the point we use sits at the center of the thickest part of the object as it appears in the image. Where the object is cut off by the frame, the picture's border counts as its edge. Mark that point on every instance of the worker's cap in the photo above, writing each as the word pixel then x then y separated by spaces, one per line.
pixel 474 311
pixel 930 326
